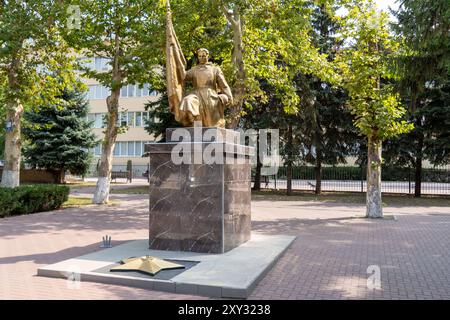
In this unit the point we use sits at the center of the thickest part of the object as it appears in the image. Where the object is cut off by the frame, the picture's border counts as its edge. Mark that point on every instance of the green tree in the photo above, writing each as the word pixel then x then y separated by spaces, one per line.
pixel 365 65
pixel 251 40
pixel 424 85
pixel 270 114
pixel 327 134
pixel 29 48
pixel 159 110
pixel 128 35
pixel 59 136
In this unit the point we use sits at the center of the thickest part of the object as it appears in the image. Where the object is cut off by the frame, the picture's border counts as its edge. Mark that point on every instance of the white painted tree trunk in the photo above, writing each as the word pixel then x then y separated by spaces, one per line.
pixel 11 169
pixel 101 194
pixel 374 204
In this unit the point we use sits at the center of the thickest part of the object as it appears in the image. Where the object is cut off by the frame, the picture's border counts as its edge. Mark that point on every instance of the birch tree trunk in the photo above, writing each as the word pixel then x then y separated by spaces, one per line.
pixel 374 204
pixel 11 169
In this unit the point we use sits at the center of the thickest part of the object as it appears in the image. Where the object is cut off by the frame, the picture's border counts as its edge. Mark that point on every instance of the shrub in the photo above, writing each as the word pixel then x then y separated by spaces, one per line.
pixel 32 198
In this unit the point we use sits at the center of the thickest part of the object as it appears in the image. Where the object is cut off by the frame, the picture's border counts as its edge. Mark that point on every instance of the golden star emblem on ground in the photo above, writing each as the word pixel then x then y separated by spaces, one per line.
pixel 146 264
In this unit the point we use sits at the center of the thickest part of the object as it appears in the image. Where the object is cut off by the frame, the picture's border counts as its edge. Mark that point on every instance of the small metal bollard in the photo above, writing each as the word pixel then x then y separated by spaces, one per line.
pixel 106 243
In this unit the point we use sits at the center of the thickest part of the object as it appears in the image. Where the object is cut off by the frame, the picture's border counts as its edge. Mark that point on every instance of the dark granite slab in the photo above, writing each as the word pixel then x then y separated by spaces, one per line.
pixel 199 207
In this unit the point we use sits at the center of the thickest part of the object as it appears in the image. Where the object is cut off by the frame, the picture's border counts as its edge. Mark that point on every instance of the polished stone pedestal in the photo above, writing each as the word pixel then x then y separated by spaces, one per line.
pixel 197 205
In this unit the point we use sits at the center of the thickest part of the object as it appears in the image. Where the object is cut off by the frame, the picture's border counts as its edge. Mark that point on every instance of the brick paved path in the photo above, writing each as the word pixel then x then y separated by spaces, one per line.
pixel 328 260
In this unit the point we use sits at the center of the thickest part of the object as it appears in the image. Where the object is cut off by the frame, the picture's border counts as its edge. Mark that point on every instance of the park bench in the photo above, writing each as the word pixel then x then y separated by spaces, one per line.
pixel 121 174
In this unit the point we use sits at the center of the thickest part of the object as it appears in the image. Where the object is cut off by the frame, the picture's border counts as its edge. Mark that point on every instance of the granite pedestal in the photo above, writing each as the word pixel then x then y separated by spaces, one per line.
pixel 203 203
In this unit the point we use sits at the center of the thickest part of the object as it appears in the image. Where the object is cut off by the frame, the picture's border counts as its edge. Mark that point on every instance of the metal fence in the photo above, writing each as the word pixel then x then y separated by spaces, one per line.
pixel 435 181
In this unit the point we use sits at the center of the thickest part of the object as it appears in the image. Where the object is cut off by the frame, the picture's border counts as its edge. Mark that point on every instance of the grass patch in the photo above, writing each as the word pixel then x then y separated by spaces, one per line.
pixel 83 201
pixel 76 201
pixel 131 190
pixel 351 198
pixel 81 184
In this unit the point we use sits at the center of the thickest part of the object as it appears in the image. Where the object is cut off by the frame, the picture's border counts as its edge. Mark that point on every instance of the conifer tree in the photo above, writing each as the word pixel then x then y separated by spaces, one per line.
pixel 59 136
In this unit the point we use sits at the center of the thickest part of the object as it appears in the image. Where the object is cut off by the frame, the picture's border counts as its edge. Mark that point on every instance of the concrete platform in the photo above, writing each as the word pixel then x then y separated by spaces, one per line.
pixel 233 274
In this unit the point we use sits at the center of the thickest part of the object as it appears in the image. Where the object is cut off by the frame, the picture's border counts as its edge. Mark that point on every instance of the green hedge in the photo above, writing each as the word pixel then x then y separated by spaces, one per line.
pixel 32 198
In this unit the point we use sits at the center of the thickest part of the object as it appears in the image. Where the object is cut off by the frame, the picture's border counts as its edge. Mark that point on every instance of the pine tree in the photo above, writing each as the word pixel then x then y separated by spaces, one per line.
pixel 160 110
pixel 327 133
pixel 59 136
pixel 424 86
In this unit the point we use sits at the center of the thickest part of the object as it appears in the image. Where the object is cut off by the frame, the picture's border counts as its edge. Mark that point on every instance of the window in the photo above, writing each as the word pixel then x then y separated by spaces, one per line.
pixel 104 64
pixel 105 92
pixel 101 64
pixel 98 120
pixel 98 63
pixel 116 149
pixel 124 92
pixel 130 90
pixel 123 119
pixel 98 150
pixel 138 91
pixel 128 149
pixel 138 119
pixel 145 90
pixel 131 148
pixel 138 150
pixel 123 148
pixel 131 119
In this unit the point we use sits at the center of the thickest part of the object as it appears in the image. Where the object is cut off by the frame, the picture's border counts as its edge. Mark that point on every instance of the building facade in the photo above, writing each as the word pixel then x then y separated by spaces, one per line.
pixel 132 114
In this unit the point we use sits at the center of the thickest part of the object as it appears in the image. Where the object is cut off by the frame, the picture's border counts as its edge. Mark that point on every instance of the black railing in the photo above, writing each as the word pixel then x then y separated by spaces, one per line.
pixel 435 181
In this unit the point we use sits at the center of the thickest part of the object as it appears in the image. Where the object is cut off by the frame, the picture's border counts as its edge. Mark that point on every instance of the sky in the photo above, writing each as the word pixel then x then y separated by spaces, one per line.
pixel 385 4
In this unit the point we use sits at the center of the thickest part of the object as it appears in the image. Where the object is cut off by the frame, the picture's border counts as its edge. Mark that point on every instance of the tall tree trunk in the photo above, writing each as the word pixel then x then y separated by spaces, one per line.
pixel 374 204
pixel 11 169
pixel 414 105
pixel 62 176
pixel 318 172
pixel 257 183
pixel 289 179
pixel 101 194
pixel 289 164
pixel 238 88
pixel 14 111
pixel 418 167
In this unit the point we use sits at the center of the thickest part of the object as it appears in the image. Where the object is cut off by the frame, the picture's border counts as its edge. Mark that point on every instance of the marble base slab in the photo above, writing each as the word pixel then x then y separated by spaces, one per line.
pixel 233 274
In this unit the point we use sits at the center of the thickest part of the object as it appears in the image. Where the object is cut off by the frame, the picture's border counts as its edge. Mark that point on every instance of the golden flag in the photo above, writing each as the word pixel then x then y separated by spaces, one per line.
pixel 175 67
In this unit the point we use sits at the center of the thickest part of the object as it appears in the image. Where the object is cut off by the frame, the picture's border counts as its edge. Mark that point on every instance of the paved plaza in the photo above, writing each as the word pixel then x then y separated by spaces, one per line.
pixel 328 260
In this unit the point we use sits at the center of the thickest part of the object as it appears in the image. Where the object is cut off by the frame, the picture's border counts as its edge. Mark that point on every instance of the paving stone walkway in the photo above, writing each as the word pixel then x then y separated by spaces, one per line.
pixel 328 260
